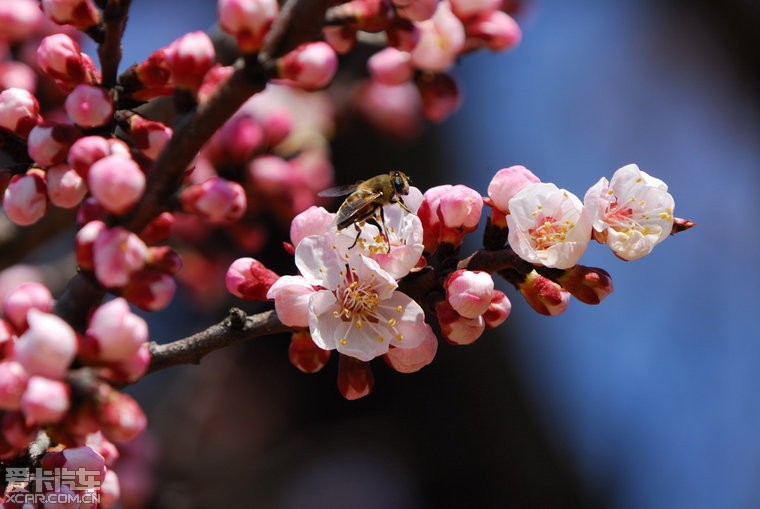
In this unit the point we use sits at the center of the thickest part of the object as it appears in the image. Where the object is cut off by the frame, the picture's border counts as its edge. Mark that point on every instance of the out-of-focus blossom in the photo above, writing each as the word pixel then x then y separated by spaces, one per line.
pixel 416 10
pixel 355 378
pixel 13 379
pixel 118 332
pixel 632 213
pixel 117 182
pixel 247 20
pixel 65 187
pixel 19 111
pixel 442 39
pixel 304 354
pixel 60 58
pixel 311 66
pixel 48 346
pixel 20 300
pixel 25 200
pixel 496 31
pixel 390 66
pixel 44 401
pixel 150 289
pixel 440 95
pixel 19 19
pixel 189 58
pixel 49 143
pixel 117 254
pixel 17 75
pixel 217 200
pixel 81 14
pixel 89 106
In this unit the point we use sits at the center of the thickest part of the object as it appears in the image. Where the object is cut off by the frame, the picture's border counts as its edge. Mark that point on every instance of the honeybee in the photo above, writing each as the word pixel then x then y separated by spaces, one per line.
pixel 366 200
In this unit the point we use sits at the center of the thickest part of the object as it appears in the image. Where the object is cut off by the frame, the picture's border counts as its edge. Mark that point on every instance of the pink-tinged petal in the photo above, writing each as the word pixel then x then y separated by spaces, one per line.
pixel 322 322
pixel 65 187
pixel 291 296
pixel 312 221
pixel 13 379
pixel 247 20
pixel 469 292
pixel 117 183
pixel 410 360
pixel 457 329
pixel 89 106
pixel 317 260
pixel 507 182
pixel 25 297
pixel 118 332
pixel 45 401
pixel 498 310
pixel 442 38
pixel 249 279
pixel 117 254
pixel 48 347
pixel 25 199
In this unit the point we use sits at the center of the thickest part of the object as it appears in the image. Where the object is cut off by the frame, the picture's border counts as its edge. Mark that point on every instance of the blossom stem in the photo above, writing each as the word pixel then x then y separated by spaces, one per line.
pixel 114 21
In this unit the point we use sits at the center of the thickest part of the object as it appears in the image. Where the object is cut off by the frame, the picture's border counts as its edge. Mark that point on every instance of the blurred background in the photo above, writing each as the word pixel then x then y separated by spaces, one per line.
pixel 649 400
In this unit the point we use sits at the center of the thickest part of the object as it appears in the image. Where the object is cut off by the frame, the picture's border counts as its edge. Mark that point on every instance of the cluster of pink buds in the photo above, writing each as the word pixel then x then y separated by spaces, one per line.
pixel 424 39
pixel 38 392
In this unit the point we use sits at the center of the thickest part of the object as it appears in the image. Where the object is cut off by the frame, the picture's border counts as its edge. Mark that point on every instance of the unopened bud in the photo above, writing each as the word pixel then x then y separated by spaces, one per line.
pixel 304 354
pixel 355 378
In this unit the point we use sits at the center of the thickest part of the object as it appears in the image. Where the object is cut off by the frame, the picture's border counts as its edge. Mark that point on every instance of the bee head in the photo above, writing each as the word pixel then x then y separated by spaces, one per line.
pixel 400 182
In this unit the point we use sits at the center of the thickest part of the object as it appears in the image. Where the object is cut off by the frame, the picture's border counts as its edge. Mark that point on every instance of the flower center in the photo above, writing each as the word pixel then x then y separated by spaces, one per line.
pixel 549 232
pixel 358 299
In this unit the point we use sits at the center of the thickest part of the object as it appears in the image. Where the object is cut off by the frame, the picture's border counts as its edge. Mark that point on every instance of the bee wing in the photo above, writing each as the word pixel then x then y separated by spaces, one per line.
pixel 338 191
pixel 357 207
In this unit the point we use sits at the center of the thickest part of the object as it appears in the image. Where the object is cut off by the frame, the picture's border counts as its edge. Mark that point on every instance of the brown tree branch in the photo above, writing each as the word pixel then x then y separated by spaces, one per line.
pixel 115 16
pixel 235 328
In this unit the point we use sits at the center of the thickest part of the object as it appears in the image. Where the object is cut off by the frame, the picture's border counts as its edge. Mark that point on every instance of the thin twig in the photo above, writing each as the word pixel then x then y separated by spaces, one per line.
pixel 235 328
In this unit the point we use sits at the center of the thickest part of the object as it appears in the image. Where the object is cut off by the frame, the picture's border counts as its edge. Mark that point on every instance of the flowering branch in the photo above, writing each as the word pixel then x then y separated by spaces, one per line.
pixel 236 327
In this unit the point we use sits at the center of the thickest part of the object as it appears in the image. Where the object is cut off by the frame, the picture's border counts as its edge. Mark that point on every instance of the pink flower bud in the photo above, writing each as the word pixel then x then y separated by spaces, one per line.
pixel 23 298
pixel 189 58
pixel 468 9
pixel 19 111
pixel 49 143
pixel 410 360
pixel 17 431
pixel 25 200
pixel 235 142
pixel 272 174
pixel 393 109
pixel 291 300
pixel 45 401
pixel 247 20
pixel 89 149
pixel 214 78
pixel 120 416
pixel 390 66
pixel 440 96
pixel 442 39
pixel 60 58
pixel 311 221
pixel 355 378
pixel 65 187
pixel 469 292
pixel 277 125
pixel 74 458
pixel 84 241
pixel 150 289
pixel 117 182
pixel 216 200
pixel 89 106
pixel 97 442
pixel 149 136
pixel 457 329
pixel 48 347
pixel 117 254
pixel 416 10
pixel 428 214
pixel 159 229
pixel 110 490
pixel 119 332
pixel 13 379
pixel 311 66
pixel 508 182
pixel 130 370
pixel 19 19
pixel 151 77
pixel 544 295
pixel 81 14
pixel 460 209
pixel 17 75
pixel 164 258
pixel 304 354
pixel 589 285
pixel 7 338
pixel 498 310
pixel 496 31
pixel 249 279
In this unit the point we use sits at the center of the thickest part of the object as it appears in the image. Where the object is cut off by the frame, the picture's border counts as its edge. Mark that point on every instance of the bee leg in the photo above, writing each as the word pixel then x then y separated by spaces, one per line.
pixel 358 233
pixel 385 229
pixel 403 205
